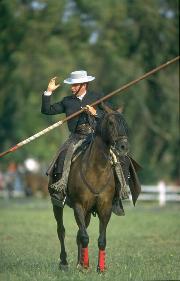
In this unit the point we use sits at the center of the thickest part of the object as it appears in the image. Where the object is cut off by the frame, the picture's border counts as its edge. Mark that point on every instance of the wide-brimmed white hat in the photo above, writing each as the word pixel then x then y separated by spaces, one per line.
pixel 79 76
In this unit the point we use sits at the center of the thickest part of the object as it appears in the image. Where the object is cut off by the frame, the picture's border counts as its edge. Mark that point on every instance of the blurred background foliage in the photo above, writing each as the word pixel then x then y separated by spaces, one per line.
pixel 115 40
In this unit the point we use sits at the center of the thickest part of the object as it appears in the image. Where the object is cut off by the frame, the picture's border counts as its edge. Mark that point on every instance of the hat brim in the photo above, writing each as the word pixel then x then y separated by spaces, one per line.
pixel 79 81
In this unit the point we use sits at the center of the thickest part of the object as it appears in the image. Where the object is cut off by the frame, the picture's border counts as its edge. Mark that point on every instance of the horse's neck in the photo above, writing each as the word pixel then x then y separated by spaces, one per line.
pixel 98 152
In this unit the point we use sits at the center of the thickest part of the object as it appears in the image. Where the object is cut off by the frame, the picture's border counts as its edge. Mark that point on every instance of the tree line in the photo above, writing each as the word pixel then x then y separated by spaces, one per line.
pixel 116 41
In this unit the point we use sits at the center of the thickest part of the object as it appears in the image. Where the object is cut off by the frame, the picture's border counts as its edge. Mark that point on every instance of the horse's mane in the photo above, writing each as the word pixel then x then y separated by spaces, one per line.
pixel 121 122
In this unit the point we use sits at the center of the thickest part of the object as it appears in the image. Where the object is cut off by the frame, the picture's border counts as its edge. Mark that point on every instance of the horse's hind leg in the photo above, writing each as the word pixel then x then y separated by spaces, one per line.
pixel 78 241
pixel 82 235
pixel 104 217
pixel 58 214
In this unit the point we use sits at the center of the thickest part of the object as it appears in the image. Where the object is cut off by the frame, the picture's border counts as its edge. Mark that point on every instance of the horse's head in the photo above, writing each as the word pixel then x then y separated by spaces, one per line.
pixel 114 130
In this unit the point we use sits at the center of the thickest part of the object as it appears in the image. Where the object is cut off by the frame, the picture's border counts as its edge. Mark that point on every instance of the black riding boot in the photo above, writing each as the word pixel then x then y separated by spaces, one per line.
pixel 58 198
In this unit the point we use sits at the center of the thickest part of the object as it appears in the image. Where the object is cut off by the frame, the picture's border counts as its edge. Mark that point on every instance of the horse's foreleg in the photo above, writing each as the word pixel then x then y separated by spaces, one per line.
pixel 58 214
pixel 104 219
pixel 78 241
pixel 82 236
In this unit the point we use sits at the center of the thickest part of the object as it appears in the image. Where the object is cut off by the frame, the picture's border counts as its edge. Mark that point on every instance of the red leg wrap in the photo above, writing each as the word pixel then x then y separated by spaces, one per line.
pixel 84 257
pixel 101 262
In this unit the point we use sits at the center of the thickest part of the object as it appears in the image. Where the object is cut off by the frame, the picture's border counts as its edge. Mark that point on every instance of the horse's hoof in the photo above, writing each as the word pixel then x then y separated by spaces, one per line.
pixel 63 267
pixel 83 269
pixel 101 270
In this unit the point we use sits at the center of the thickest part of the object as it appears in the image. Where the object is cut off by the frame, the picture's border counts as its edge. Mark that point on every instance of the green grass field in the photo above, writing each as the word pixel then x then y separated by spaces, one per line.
pixel 143 245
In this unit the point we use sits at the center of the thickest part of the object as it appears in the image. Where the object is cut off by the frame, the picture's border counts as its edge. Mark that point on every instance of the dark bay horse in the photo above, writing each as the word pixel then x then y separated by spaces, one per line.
pixel 91 186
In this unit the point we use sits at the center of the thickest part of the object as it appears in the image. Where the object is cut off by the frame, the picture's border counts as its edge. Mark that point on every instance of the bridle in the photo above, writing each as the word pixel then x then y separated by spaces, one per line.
pixel 117 137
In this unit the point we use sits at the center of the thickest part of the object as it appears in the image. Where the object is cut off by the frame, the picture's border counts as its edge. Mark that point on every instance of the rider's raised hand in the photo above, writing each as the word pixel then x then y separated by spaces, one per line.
pixel 52 85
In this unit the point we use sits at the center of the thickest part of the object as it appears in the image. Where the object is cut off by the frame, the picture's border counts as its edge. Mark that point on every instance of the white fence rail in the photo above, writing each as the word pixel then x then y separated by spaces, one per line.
pixel 160 193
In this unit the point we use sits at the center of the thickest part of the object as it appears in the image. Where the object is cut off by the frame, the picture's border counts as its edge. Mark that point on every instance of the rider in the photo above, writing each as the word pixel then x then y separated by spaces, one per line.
pixel 80 127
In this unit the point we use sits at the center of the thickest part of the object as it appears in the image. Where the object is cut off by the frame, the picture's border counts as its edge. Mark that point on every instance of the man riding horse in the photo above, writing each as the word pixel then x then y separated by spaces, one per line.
pixel 82 128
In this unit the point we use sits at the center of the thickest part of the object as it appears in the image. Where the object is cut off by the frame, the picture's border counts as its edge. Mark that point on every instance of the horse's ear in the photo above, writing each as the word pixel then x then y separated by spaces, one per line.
pixel 106 108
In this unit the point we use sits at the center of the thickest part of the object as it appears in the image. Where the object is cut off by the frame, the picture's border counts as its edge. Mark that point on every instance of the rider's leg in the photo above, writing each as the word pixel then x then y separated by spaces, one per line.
pixel 117 207
pixel 58 186
pixel 121 173
pixel 57 196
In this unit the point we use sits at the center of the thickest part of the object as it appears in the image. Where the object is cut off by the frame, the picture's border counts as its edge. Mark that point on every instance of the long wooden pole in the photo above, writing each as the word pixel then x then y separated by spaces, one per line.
pixel 59 123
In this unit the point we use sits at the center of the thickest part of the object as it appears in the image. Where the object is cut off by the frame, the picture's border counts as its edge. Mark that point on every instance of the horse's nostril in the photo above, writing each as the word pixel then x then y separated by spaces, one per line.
pixel 123 147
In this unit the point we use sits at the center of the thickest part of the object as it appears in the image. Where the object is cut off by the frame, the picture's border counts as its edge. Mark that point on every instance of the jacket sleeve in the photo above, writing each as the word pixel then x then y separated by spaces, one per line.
pixel 51 109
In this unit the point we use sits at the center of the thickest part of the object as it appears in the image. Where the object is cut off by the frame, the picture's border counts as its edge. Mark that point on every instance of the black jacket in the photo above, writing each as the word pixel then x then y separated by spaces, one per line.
pixel 69 105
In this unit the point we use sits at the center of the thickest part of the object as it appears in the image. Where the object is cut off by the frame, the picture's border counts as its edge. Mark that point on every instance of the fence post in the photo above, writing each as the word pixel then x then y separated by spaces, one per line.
pixel 162 193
